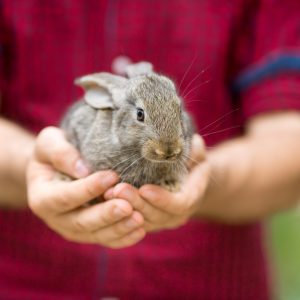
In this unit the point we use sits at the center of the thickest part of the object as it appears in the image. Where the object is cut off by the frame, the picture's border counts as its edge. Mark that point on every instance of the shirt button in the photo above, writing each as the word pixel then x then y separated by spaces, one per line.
pixel 120 63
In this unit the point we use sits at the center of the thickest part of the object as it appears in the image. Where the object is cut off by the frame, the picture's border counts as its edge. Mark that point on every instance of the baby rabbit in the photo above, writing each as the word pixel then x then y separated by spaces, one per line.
pixel 136 126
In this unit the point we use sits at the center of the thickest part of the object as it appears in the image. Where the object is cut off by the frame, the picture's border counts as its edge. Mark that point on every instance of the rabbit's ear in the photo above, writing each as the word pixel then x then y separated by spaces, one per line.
pixel 103 90
pixel 141 68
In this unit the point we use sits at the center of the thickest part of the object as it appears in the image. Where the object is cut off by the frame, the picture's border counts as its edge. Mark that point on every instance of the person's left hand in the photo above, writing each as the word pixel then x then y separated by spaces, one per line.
pixel 162 209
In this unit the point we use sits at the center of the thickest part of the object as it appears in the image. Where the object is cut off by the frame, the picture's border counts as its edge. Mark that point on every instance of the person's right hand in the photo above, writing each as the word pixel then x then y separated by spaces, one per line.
pixel 61 204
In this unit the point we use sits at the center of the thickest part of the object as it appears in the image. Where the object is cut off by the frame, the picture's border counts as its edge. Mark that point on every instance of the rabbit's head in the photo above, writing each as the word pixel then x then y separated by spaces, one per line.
pixel 147 113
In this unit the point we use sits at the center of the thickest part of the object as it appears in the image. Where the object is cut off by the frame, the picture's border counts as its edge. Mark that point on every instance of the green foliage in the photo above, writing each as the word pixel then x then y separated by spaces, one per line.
pixel 285 238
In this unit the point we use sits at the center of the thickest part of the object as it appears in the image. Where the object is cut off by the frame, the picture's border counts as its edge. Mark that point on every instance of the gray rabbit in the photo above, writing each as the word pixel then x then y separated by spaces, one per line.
pixel 136 126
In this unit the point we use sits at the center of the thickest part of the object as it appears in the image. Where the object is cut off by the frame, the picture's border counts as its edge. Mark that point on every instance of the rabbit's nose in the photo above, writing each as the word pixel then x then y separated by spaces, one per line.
pixel 159 152
pixel 169 153
pixel 173 154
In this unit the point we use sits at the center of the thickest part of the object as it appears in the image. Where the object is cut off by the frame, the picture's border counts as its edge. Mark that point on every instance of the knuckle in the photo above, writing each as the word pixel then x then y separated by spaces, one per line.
pixel 60 154
pixel 141 205
pixel 119 230
pixel 62 202
pixel 106 218
pixel 90 190
pixel 79 225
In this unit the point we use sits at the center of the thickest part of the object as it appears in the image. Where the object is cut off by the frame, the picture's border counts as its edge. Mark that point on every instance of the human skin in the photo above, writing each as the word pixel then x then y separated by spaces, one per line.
pixel 242 180
pixel 113 224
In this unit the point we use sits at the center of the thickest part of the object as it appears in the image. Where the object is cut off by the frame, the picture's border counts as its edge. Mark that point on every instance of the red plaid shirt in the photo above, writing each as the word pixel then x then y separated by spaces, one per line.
pixel 230 58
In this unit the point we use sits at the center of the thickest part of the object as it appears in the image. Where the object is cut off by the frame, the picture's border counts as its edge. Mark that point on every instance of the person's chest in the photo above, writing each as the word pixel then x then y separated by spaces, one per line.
pixel 56 41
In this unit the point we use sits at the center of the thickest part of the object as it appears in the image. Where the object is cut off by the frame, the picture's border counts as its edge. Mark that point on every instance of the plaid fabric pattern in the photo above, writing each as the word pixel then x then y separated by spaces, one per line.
pixel 205 46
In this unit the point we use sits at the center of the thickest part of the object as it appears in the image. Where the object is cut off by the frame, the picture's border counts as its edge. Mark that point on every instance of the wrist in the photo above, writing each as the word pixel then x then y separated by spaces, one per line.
pixel 222 186
pixel 14 157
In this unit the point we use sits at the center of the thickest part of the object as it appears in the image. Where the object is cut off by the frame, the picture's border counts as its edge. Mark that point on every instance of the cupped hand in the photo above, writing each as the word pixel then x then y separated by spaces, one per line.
pixel 163 209
pixel 62 205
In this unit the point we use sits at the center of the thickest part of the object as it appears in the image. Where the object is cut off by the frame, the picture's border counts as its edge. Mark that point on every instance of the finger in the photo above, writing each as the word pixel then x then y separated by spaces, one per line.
pixel 197 153
pixel 37 171
pixel 151 214
pixel 163 199
pixel 197 181
pixel 109 194
pixel 119 229
pixel 96 217
pixel 53 148
pixel 54 197
pixel 128 240
pixel 179 203
pixel 115 236
pixel 130 193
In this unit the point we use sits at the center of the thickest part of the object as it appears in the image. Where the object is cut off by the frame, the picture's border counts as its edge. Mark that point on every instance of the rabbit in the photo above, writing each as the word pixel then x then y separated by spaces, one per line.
pixel 134 125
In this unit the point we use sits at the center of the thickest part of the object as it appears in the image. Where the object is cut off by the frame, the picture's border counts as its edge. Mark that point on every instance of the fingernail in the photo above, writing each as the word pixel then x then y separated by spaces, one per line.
pixel 131 223
pixel 128 193
pixel 109 179
pixel 125 193
pixel 118 212
pixel 109 194
pixel 81 169
pixel 147 193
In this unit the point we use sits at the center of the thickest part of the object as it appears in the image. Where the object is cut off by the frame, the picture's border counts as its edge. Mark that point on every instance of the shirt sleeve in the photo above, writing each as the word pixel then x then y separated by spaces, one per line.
pixel 269 59
pixel 6 52
pixel 3 49
pixel 1 53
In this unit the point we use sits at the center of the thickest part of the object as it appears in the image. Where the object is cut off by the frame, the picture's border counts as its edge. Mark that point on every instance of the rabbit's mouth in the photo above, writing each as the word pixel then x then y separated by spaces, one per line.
pixel 162 153
pixel 155 160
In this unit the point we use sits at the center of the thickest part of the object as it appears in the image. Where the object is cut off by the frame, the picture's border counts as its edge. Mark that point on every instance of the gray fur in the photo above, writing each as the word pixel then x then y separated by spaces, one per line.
pixel 113 138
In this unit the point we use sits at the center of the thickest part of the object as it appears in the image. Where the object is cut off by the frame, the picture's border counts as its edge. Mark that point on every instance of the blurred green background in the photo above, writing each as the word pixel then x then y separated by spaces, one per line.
pixel 285 254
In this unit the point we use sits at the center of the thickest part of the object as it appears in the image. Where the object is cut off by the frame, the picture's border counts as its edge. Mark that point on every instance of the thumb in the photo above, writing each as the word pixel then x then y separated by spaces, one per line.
pixel 198 153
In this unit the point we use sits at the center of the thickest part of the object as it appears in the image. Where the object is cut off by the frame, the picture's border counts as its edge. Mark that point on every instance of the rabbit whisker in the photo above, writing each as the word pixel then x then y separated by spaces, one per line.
pixel 182 166
pixel 196 87
pixel 222 130
pixel 119 163
pixel 195 78
pixel 123 172
pixel 219 119
pixel 210 175
pixel 187 70
pixel 122 151
pixel 192 159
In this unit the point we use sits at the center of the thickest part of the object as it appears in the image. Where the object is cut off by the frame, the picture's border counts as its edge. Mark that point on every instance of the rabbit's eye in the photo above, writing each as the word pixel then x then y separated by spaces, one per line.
pixel 140 115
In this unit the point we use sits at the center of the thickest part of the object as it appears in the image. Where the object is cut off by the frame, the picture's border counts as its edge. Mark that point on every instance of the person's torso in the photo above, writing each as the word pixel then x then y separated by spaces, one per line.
pixel 50 43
